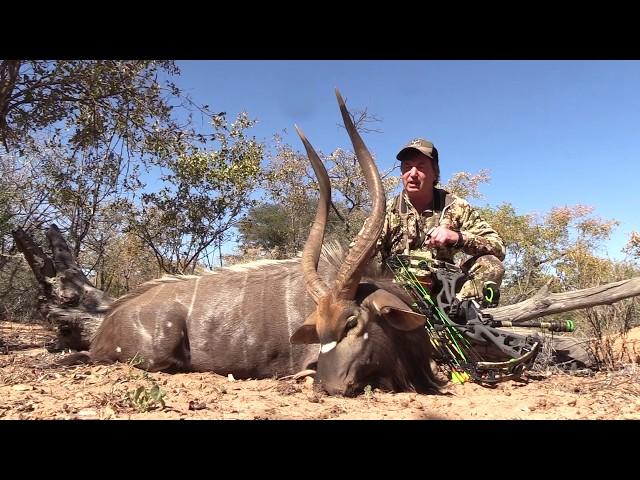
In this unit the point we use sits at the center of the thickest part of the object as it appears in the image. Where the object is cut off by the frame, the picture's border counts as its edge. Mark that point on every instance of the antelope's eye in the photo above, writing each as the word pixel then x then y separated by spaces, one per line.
pixel 352 321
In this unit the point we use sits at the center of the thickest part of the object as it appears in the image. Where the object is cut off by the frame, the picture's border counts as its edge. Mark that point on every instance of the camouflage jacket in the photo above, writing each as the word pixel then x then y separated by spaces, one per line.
pixel 405 229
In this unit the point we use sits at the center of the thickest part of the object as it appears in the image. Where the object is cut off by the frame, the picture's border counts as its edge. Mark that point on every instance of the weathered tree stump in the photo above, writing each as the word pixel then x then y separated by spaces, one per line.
pixel 66 299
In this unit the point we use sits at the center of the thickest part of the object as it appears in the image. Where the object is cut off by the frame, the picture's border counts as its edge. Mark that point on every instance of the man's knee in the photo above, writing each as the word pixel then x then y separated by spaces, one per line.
pixel 486 268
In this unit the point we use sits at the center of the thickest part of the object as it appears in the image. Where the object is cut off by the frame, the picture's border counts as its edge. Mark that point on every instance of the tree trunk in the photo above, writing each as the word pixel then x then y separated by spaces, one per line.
pixel 66 298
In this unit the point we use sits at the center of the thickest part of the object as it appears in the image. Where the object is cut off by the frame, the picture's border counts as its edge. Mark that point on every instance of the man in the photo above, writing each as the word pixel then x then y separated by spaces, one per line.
pixel 431 223
pixel 428 222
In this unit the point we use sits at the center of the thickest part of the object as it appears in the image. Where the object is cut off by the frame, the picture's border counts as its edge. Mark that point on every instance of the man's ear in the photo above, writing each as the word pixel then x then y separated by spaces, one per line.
pixel 395 311
pixel 307 332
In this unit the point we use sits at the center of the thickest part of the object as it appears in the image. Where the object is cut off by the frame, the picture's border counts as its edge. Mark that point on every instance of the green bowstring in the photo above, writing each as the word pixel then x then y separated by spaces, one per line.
pixel 453 338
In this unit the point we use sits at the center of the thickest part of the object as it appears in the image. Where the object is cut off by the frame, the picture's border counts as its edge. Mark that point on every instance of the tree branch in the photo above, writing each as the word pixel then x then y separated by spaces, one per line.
pixel 544 303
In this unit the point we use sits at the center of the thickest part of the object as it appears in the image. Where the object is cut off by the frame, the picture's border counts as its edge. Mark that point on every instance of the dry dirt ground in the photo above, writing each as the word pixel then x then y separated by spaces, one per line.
pixel 31 387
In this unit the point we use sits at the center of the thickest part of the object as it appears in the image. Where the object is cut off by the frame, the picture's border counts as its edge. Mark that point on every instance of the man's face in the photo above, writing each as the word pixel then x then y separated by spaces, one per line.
pixel 417 173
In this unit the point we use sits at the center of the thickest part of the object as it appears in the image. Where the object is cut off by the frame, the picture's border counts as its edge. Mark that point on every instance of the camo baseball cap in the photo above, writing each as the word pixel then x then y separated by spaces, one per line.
pixel 420 144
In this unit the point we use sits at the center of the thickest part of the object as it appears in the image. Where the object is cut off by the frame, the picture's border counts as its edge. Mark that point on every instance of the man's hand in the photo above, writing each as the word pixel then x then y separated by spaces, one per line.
pixel 441 237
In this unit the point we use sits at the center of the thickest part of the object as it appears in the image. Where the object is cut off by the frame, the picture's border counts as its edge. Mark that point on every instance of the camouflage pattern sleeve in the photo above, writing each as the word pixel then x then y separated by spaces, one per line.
pixel 479 237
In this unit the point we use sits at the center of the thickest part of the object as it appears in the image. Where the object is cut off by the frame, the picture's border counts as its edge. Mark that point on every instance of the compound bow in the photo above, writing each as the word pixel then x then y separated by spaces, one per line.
pixel 455 327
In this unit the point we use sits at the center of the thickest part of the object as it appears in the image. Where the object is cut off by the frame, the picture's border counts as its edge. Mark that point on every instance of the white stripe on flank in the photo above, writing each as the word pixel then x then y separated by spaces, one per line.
pixel 193 298
pixel 289 306
pixel 327 347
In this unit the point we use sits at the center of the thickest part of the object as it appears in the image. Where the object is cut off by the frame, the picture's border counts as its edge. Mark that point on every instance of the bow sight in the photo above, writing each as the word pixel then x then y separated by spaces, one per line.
pixel 457 328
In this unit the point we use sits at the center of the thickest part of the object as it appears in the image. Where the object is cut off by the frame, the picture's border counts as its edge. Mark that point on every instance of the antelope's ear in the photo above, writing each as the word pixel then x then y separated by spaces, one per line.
pixel 395 311
pixel 307 332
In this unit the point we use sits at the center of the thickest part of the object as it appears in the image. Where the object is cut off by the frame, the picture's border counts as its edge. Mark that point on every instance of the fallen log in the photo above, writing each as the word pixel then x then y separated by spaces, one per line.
pixel 544 303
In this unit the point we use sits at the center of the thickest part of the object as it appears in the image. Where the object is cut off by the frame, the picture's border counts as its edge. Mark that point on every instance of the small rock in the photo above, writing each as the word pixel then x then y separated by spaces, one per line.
pixel 21 387
pixel 230 378
pixel 572 403
pixel 87 412
pixel 195 405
